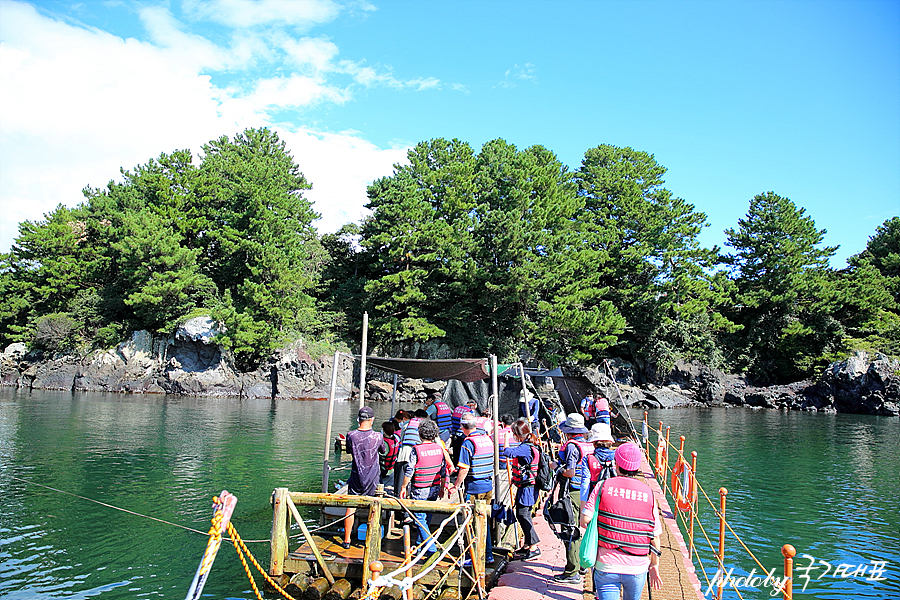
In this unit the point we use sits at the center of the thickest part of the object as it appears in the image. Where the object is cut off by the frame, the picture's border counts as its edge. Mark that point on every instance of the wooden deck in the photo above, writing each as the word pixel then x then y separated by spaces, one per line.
pixel 348 562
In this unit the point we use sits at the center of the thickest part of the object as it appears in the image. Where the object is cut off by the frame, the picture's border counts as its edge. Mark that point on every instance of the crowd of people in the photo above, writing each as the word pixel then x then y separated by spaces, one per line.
pixel 443 452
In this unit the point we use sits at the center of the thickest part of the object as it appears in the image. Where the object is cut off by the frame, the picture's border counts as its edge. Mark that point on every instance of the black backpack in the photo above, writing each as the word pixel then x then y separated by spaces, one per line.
pixel 543 481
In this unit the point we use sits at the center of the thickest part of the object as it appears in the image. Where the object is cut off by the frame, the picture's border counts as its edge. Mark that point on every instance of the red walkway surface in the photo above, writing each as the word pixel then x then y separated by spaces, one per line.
pixel 533 579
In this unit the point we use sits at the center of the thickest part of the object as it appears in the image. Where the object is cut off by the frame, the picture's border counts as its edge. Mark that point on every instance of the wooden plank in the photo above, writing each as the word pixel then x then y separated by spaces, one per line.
pixel 347 501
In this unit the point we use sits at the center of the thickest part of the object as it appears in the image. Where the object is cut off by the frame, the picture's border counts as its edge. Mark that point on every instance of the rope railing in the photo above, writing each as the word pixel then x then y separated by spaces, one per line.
pixel 683 492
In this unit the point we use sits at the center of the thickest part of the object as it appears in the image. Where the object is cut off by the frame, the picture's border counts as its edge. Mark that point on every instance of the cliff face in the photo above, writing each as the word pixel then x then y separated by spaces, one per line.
pixel 186 363
pixel 190 363
pixel 861 384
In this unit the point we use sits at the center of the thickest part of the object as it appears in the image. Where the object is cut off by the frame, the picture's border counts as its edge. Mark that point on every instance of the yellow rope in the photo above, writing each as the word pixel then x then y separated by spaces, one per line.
pixel 238 546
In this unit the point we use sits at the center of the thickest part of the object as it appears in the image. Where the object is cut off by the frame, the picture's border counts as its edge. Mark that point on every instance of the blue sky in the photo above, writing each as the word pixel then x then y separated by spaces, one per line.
pixel 735 98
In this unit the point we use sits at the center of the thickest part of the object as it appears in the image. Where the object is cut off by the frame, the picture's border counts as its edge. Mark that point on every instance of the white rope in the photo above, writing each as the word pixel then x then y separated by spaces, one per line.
pixel 621 400
pixel 407 582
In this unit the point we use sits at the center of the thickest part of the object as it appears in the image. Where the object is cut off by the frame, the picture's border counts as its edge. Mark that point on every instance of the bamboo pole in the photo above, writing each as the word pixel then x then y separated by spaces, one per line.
pixel 362 366
pixel 278 541
pixel 309 540
pixel 325 468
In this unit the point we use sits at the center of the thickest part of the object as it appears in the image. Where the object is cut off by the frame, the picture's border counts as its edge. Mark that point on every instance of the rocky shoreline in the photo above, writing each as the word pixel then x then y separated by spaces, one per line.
pixel 861 384
pixel 189 363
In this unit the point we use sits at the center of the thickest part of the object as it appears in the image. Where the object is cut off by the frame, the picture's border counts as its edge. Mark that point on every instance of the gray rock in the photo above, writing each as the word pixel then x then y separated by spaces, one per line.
pixel 57 374
pixel 200 329
pixel 16 351
pixel 862 384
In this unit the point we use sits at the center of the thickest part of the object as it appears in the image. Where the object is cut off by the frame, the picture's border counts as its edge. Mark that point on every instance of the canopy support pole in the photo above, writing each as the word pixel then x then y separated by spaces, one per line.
pixel 362 366
pixel 525 394
pixel 325 468
pixel 495 410
pixel 394 396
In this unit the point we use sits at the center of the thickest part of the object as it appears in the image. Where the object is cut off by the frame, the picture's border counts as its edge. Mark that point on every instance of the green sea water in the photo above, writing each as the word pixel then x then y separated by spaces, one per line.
pixel 828 484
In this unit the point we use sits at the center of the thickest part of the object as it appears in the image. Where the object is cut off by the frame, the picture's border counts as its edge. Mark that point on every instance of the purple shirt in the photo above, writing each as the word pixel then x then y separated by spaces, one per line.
pixel 364 447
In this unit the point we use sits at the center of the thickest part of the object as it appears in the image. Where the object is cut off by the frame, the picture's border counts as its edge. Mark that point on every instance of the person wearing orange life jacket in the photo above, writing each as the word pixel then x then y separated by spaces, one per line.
pixel 524 457
pixel 573 450
pixel 628 530
pixel 426 475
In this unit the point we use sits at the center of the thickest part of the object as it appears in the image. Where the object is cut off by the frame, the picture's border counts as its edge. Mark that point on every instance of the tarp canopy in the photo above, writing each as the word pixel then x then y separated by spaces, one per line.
pixel 461 369
pixel 514 370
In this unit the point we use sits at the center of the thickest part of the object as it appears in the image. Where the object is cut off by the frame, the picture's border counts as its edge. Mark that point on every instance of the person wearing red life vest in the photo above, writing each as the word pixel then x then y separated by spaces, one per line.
pixel 587 409
pixel 443 416
pixel 601 409
pixel 628 530
pixel 475 474
pixel 456 419
pixel 389 459
pixel 572 451
pixel 426 475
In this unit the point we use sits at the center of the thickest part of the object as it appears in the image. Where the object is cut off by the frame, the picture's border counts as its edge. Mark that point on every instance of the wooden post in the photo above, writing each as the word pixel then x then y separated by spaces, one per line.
pixel 362 365
pixel 788 552
pixel 278 542
pixel 372 553
pixel 722 493
pixel 481 525
pixel 325 468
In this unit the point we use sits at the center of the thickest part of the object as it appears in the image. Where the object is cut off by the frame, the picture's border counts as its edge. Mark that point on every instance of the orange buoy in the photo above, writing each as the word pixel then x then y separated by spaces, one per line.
pixel 684 486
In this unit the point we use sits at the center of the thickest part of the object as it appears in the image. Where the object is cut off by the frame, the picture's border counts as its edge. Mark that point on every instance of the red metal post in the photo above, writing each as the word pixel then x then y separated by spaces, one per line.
pixel 788 552
pixel 693 507
pixel 722 493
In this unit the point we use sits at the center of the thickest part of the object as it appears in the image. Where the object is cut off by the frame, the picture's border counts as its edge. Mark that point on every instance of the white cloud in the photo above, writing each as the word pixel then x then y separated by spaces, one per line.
pixel 77 103
pixel 525 72
pixel 340 167
pixel 310 52
pixel 250 13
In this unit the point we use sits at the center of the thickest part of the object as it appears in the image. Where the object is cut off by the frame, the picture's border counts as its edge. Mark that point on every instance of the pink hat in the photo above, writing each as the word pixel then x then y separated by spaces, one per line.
pixel 629 456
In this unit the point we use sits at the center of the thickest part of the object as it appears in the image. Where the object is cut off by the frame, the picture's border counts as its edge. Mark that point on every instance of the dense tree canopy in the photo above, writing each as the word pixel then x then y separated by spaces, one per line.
pixel 501 250
pixel 231 236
